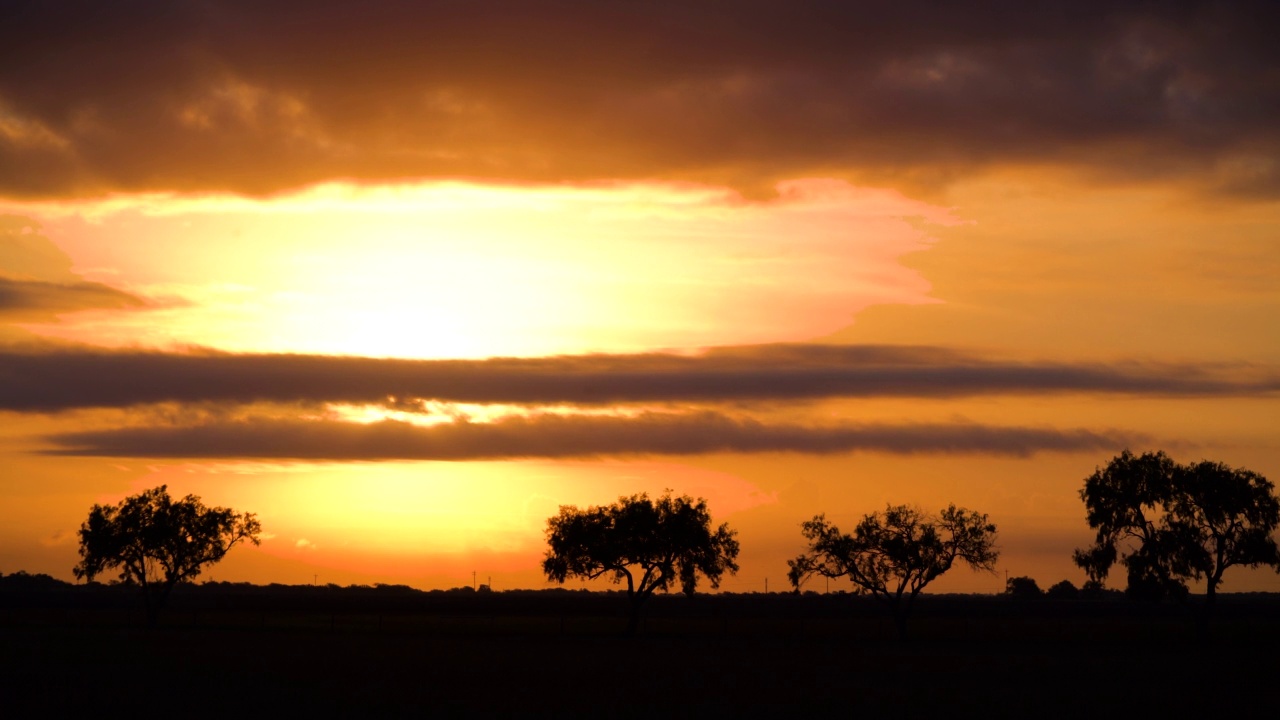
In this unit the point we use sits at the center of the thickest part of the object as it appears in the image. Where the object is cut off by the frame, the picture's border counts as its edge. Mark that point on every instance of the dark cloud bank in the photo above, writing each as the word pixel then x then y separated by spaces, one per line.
pixel 558 436
pixel 255 97
pixel 60 380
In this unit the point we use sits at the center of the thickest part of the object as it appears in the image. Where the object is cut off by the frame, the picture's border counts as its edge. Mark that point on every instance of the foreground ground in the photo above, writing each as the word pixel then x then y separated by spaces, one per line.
pixel 557 656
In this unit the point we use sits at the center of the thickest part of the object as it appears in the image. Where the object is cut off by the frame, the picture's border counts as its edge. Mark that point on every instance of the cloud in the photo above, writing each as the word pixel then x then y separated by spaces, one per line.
pixel 26 253
pixel 257 97
pixel 572 436
pixel 37 281
pixel 65 379
pixel 60 380
pixel 29 299
pixel 58 538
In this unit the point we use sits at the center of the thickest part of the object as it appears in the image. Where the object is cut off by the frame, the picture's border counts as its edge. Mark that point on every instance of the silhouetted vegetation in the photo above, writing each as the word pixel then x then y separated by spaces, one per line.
pixel 1168 523
pixel 664 541
pixel 157 542
pixel 391 651
pixel 1064 590
pixel 1023 588
pixel 21 581
pixel 395 650
pixel 895 555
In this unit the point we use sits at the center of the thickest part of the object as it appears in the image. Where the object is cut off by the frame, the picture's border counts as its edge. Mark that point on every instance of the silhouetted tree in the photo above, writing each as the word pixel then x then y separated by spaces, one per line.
pixel 157 542
pixel 1168 523
pixel 894 555
pixel 1063 591
pixel 1095 590
pixel 1022 587
pixel 24 581
pixel 660 541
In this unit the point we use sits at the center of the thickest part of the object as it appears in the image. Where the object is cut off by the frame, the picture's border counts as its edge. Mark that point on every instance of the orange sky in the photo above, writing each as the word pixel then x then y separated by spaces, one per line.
pixel 759 262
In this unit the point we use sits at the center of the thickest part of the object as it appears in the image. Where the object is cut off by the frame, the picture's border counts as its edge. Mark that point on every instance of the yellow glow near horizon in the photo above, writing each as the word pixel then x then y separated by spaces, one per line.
pixel 346 515
pixel 448 270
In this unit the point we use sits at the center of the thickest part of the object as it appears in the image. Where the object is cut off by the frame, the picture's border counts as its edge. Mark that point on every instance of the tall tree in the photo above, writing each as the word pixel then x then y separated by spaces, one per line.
pixel 1168 523
pixel 894 555
pixel 157 542
pixel 651 544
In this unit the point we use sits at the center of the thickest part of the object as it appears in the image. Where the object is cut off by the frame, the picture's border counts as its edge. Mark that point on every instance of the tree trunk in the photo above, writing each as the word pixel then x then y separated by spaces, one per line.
pixel 1206 612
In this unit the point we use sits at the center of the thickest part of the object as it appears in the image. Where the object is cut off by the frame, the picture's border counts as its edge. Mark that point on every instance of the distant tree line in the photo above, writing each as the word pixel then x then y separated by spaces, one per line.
pixel 1165 523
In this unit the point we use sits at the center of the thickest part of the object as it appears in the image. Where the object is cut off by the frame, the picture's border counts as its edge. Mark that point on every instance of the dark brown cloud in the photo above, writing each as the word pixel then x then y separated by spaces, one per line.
pixel 256 97
pixel 59 380
pixel 33 300
pixel 573 436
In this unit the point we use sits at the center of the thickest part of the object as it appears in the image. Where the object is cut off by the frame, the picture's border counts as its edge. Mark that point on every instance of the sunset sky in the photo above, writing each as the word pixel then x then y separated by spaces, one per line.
pixel 403 278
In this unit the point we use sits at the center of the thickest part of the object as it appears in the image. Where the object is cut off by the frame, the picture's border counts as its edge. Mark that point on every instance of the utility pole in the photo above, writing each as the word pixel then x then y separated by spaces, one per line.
pixel 766 586
pixel 473 579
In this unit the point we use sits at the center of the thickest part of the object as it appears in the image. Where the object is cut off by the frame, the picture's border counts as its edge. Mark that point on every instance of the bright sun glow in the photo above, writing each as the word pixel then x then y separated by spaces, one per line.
pixel 450 270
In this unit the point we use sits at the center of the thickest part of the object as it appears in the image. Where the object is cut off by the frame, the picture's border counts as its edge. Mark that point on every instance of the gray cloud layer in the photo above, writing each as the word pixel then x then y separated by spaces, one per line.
pixel 59 380
pixel 254 97
pixel 554 436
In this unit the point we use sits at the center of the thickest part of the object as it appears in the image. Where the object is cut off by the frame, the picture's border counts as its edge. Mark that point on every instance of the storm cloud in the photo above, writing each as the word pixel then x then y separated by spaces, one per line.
pixel 256 97
pixel 61 380
pixel 565 436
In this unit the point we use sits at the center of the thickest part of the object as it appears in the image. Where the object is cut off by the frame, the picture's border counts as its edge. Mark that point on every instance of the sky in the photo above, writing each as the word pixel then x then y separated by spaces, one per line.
pixel 404 278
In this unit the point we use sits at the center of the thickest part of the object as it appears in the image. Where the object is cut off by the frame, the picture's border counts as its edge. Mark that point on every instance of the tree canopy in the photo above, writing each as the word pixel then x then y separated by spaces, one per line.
pixel 1023 587
pixel 1063 590
pixel 157 542
pixel 893 555
pixel 651 544
pixel 1168 523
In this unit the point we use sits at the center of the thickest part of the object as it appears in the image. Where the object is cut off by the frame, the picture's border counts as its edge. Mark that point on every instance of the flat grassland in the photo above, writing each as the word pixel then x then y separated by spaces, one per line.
pixel 385 652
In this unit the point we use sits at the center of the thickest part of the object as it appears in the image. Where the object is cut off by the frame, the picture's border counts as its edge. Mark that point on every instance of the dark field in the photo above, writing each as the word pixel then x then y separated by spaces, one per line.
pixel 353 652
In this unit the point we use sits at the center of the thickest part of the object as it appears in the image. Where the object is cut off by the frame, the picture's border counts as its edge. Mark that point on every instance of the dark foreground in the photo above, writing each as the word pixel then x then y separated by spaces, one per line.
pixel 712 657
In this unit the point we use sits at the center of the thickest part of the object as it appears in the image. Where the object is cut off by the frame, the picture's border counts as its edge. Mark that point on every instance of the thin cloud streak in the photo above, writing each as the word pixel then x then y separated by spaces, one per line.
pixel 560 436
pixel 23 298
pixel 53 381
